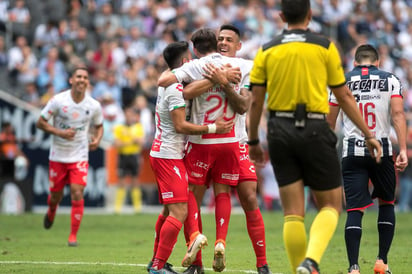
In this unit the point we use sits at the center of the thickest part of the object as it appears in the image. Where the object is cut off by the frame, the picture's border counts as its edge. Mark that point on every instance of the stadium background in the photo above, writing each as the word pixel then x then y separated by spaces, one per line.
pixel 121 43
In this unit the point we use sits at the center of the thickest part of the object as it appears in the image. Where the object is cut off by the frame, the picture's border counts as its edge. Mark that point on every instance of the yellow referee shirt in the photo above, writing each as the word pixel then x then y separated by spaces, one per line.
pixel 126 134
pixel 297 67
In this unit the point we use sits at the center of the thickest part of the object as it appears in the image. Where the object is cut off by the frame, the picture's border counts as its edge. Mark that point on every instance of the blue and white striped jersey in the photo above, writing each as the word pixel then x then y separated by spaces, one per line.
pixel 373 90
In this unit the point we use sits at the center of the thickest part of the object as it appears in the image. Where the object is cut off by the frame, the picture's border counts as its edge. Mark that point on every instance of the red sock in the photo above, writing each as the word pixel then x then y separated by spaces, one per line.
pixel 198 260
pixel 159 223
pixel 256 230
pixel 167 240
pixel 191 222
pixel 76 216
pixel 222 215
pixel 51 212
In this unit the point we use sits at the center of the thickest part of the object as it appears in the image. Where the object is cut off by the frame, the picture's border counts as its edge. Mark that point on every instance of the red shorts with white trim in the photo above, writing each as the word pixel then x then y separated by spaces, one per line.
pixel 61 174
pixel 247 170
pixel 171 178
pixel 216 162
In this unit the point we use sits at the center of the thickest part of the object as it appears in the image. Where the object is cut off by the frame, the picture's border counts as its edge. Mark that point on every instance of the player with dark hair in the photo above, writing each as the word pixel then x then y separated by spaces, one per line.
pixel 228 43
pixel 379 97
pixel 296 68
pixel 73 112
pixel 166 160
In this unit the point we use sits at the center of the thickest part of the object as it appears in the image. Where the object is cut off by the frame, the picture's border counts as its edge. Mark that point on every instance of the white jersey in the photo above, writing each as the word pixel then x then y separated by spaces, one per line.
pixel 240 126
pixel 167 143
pixel 68 114
pixel 373 90
pixel 212 104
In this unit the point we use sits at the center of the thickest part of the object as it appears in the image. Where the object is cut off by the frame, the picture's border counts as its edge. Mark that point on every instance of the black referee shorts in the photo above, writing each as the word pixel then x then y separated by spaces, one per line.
pixel 307 153
pixel 128 165
pixel 356 174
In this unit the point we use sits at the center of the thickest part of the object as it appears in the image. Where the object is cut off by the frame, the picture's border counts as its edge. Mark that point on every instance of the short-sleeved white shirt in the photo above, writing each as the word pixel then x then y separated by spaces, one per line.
pixel 212 104
pixel 167 143
pixel 68 114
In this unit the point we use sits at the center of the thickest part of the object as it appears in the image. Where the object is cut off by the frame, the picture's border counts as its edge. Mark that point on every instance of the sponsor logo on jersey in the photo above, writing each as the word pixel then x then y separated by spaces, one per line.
pixel 196 175
pixel 371 97
pixel 167 195
pixel 293 37
pixel 202 165
pixel 368 84
pixel 229 176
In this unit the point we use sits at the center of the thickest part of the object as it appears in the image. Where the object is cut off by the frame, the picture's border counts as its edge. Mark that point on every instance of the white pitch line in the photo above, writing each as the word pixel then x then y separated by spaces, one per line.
pixel 112 264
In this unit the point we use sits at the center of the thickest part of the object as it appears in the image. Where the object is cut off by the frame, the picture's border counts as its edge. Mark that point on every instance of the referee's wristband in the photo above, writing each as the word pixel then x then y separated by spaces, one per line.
pixel 253 142
pixel 211 128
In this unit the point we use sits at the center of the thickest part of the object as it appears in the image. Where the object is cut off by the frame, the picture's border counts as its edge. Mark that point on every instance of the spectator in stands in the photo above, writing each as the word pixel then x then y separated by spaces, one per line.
pixel 52 71
pixel 106 23
pixel 9 149
pixel 107 86
pixel 27 69
pixel 4 59
pixel 19 17
pixel 15 56
pixel 46 36
pixel 31 95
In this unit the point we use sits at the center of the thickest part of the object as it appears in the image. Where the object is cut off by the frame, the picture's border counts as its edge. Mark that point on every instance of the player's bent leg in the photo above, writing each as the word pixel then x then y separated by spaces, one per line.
pixel 256 228
pixel 168 235
pixel 294 233
pixel 53 201
pixel 324 225
pixel 76 193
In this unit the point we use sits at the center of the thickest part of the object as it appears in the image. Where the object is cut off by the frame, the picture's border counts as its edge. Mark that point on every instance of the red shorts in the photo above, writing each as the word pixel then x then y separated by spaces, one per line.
pixel 171 178
pixel 247 170
pixel 61 174
pixel 217 162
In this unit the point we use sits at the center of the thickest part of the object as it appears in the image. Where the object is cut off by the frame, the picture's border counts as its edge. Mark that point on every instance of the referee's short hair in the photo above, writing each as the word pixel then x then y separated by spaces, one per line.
pixel 366 52
pixel 295 11
pixel 173 53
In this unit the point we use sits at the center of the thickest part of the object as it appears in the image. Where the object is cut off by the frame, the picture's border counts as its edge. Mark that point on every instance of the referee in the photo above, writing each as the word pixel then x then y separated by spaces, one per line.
pixel 296 68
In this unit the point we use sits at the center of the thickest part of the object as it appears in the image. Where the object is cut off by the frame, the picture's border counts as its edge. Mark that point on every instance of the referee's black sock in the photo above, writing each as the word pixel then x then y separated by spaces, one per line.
pixel 386 230
pixel 353 234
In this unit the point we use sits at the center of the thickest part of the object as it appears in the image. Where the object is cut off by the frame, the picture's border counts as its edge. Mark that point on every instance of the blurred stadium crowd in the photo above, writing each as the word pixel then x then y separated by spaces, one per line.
pixel 121 42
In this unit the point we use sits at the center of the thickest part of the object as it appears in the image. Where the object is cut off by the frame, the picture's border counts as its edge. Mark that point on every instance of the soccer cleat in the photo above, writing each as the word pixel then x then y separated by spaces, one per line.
pixel 194 269
pixel 166 266
pixel 354 269
pixel 264 269
pixel 164 270
pixel 308 266
pixel 149 265
pixel 46 222
pixel 381 267
pixel 219 260
pixel 72 240
pixel 200 241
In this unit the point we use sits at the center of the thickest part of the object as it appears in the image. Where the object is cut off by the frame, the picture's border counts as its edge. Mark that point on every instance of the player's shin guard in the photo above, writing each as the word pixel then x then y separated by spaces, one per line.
pixel 51 212
pixel 256 230
pixel 321 231
pixel 353 234
pixel 159 223
pixel 386 229
pixel 294 237
pixel 168 238
pixel 222 215
pixel 76 216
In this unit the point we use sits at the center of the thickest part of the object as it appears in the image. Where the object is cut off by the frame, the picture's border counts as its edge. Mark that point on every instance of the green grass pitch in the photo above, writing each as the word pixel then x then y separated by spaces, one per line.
pixel 123 244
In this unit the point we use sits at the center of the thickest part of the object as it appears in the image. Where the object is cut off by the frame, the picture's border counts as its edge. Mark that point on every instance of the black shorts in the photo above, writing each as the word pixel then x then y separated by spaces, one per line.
pixel 128 165
pixel 356 174
pixel 307 153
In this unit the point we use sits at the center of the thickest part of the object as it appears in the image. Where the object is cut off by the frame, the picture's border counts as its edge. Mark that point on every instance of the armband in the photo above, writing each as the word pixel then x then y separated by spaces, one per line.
pixel 253 142
pixel 211 128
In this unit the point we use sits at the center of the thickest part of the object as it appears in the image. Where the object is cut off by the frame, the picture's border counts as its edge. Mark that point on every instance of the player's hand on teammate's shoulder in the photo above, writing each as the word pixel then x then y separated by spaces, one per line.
pixel 223 126
pixel 215 74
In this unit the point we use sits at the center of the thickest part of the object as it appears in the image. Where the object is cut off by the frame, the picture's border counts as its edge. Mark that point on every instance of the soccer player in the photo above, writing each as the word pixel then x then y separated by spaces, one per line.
pixel 296 68
pixel 166 159
pixel 379 97
pixel 211 157
pixel 129 139
pixel 73 112
pixel 228 43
